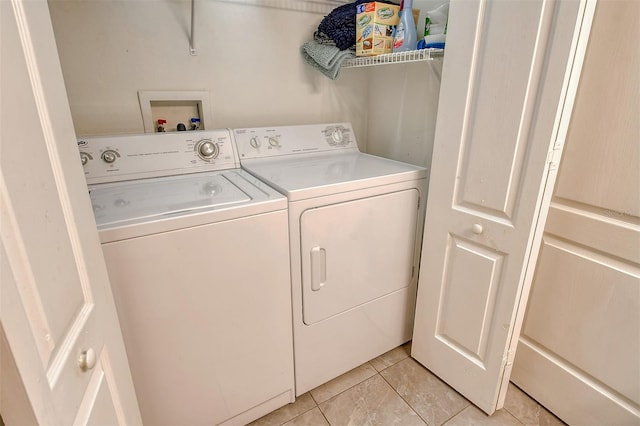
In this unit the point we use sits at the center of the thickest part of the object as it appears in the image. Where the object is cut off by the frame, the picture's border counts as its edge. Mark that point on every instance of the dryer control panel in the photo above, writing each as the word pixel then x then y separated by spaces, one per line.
pixel 262 142
pixel 126 157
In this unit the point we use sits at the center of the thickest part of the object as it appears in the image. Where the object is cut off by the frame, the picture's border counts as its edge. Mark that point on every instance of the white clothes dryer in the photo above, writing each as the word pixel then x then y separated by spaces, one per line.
pixel 355 236
pixel 197 252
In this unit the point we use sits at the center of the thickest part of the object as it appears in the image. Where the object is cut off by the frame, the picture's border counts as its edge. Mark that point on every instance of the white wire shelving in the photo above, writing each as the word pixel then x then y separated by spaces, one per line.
pixel 394 58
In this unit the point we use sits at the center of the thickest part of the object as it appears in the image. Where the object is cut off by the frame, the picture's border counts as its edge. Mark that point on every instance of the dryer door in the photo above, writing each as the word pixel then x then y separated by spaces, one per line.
pixel 357 251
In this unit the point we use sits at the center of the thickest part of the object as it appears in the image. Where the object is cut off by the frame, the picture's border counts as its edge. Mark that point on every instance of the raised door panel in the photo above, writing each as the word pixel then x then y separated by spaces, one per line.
pixel 604 230
pixel 603 153
pixel 15 407
pixel 97 406
pixel 501 110
pixel 466 313
pixel 573 282
pixel 581 335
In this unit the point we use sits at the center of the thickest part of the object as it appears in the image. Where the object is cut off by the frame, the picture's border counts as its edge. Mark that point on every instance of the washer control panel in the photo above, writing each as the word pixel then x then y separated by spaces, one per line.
pixel 260 142
pixel 125 157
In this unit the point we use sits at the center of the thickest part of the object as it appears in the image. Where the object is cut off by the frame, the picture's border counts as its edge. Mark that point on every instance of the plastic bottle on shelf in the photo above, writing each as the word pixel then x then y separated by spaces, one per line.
pixel 435 27
pixel 405 37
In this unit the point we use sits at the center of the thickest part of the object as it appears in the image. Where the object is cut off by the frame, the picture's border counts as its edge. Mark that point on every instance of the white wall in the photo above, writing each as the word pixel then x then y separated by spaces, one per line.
pixel 403 105
pixel 248 59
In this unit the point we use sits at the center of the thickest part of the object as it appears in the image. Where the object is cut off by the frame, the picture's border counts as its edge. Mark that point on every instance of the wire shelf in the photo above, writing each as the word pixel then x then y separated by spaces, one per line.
pixel 394 58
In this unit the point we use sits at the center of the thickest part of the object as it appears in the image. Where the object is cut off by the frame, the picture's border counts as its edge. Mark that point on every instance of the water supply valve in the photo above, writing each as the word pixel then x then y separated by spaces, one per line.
pixel 161 124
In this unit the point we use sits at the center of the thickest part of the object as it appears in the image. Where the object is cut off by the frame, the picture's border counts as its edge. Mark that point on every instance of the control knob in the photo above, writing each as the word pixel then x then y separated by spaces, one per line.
pixel 84 157
pixel 207 150
pixel 337 136
pixel 109 156
pixel 254 142
pixel 274 142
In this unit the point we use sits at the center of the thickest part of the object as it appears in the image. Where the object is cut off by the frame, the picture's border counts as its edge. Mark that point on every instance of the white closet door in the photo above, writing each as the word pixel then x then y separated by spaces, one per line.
pixel 57 311
pixel 579 350
pixel 507 72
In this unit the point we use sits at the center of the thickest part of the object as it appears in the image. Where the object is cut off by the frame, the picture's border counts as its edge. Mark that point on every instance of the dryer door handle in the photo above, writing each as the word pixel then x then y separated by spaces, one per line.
pixel 318 268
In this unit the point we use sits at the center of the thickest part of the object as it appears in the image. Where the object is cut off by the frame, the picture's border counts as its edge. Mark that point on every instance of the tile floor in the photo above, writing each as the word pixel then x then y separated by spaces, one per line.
pixel 394 389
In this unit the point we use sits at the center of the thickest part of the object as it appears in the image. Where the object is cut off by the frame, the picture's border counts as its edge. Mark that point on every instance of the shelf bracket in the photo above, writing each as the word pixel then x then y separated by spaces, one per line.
pixel 192 47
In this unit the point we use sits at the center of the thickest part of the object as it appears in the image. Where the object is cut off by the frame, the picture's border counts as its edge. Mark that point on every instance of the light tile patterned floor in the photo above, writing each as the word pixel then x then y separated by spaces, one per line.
pixel 394 389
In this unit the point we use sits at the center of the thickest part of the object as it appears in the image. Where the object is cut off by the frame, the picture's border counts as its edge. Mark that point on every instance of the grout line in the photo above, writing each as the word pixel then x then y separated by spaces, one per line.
pixel 350 387
pixel 514 416
pixel 405 401
pixel 391 365
pixel 312 398
pixel 456 414
pixel 423 419
pixel 323 415
pixel 378 373
pixel 293 418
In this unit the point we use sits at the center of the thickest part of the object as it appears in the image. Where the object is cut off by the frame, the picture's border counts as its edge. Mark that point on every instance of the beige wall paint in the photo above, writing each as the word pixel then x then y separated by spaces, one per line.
pixel 403 109
pixel 248 59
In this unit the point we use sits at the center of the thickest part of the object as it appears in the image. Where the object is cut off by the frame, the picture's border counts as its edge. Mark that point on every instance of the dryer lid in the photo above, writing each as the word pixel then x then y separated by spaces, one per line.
pixel 312 176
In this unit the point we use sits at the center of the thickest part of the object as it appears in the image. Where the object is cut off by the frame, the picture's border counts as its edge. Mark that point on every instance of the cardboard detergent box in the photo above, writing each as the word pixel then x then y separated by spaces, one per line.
pixel 375 23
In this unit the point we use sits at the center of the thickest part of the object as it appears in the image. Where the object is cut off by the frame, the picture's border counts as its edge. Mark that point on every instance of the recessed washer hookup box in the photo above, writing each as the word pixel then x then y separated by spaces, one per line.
pixel 375 23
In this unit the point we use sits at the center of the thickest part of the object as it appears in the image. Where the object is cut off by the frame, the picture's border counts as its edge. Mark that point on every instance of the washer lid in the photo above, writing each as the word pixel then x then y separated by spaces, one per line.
pixel 316 175
pixel 145 200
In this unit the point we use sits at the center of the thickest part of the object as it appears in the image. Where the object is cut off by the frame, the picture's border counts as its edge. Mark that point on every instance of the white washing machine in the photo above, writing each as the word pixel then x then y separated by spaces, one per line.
pixel 198 257
pixel 355 235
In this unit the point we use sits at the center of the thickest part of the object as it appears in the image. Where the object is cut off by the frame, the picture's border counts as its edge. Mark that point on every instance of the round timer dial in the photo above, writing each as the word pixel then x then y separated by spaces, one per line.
pixel 109 156
pixel 207 149
pixel 254 142
pixel 274 141
pixel 84 158
pixel 337 136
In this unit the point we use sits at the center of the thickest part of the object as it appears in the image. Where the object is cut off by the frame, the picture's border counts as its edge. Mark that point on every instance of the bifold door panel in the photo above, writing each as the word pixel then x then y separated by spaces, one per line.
pixel 497 144
pixel 356 251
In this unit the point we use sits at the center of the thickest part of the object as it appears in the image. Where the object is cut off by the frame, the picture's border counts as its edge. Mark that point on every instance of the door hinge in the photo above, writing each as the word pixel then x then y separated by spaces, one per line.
pixel 553 157
pixel 509 357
